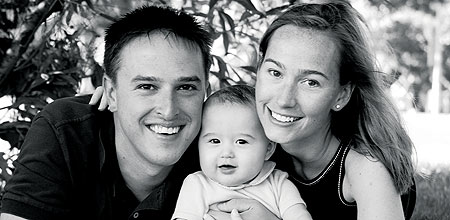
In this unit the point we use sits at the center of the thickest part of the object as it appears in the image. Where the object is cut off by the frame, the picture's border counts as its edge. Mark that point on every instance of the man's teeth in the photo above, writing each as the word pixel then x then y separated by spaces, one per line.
pixel 283 118
pixel 164 130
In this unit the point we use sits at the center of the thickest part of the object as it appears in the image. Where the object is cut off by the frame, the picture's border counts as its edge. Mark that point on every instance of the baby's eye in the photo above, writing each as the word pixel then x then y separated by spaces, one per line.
pixel 241 141
pixel 214 141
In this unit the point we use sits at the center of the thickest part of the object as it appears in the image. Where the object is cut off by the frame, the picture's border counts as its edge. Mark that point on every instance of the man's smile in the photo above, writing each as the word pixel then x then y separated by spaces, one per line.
pixel 159 129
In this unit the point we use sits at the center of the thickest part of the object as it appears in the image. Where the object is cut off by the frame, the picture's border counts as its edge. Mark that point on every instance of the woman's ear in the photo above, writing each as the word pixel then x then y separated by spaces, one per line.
pixel 344 97
pixel 270 149
pixel 110 93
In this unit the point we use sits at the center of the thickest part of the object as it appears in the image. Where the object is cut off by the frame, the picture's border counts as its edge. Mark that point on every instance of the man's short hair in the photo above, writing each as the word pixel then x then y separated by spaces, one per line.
pixel 144 21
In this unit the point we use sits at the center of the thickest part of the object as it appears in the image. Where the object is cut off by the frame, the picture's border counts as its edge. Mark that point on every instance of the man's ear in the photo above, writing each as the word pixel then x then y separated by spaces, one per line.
pixel 344 97
pixel 110 93
pixel 270 149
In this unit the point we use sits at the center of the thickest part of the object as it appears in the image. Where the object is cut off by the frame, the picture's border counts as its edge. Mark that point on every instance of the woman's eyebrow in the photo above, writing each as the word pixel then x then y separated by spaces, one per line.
pixel 270 60
pixel 314 72
pixel 303 72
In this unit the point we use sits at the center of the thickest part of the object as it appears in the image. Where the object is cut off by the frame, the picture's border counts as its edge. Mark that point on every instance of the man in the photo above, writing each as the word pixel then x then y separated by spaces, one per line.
pixel 80 163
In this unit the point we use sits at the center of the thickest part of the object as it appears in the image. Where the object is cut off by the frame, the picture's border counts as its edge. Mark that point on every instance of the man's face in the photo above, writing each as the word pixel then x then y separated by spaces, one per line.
pixel 157 99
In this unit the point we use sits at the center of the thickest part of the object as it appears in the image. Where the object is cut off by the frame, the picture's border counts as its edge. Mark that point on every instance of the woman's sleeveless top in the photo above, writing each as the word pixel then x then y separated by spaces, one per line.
pixel 323 194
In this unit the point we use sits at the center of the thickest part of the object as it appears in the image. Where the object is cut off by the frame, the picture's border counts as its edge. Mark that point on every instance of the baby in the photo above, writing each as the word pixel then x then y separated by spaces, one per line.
pixel 234 153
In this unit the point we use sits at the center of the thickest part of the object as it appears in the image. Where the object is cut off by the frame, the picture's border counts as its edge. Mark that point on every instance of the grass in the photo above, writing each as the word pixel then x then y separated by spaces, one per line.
pixel 433 194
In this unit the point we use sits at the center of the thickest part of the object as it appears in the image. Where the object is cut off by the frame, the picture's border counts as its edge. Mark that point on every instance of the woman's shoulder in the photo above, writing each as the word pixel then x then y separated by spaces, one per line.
pixel 368 182
pixel 357 164
pixel 366 175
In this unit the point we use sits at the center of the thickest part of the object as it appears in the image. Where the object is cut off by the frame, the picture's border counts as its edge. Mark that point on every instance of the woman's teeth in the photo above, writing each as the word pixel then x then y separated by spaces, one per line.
pixel 283 118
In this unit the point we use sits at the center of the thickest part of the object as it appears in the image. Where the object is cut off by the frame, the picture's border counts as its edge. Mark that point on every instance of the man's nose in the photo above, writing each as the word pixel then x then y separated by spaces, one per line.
pixel 167 105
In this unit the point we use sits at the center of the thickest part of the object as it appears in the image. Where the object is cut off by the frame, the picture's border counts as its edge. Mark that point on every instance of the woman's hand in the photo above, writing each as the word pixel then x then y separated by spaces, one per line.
pixel 245 209
pixel 99 96
pixel 222 215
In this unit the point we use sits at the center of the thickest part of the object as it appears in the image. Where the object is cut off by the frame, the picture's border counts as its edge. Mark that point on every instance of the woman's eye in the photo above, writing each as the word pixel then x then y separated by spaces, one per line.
pixel 214 141
pixel 275 73
pixel 241 141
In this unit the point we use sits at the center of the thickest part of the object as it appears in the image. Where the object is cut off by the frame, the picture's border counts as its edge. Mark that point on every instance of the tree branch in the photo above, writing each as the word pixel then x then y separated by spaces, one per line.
pixel 92 7
pixel 20 45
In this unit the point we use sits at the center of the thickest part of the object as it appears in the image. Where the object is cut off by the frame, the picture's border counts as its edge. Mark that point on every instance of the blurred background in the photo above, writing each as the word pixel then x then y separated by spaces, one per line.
pixel 51 49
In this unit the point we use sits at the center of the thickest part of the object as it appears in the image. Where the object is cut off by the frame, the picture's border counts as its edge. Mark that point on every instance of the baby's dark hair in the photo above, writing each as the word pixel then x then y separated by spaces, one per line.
pixel 236 94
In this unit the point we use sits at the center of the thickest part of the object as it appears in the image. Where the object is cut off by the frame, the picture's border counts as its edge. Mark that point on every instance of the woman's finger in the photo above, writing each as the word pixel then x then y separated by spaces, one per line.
pixel 235 215
pixel 217 215
pixel 103 102
pixel 241 205
pixel 208 217
pixel 96 96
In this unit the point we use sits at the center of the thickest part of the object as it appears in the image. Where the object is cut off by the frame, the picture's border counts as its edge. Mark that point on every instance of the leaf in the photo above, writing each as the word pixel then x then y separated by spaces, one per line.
pixel 252 69
pixel 226 40
pixel 69 14
pixel 222 67
pixel 277 10
pixel 254 6
pixel 14 132
pixel 4 166
pixel 224 17
pixel 38 81
pixel 245 15
pixel 212 3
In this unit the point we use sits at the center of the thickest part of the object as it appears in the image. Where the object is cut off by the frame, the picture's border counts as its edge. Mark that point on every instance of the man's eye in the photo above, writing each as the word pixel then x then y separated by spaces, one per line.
pixel 146 87
pixel 311 83
pixel 275 73
pixel 214 141
pixel 241 141
pixel 188 87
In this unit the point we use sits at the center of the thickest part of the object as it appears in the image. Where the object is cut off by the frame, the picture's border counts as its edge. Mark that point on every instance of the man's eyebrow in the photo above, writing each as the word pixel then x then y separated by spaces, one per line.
pixel 140 78
pixel 189 79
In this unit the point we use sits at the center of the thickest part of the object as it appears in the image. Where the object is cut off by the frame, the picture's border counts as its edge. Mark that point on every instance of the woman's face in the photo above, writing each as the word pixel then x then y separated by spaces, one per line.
pixel 297 85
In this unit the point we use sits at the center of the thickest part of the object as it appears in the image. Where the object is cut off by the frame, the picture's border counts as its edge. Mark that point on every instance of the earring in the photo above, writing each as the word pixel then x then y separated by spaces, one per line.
pixel 338 106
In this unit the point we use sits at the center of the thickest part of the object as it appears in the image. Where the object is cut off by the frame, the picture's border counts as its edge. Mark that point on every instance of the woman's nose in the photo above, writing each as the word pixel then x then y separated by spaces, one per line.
pixel 287 95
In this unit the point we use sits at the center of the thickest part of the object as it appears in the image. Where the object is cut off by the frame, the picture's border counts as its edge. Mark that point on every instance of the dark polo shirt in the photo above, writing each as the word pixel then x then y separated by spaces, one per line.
pixel 67 169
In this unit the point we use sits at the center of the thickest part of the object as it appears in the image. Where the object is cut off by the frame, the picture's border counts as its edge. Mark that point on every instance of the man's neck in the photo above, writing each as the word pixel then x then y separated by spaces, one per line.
pixel 140 176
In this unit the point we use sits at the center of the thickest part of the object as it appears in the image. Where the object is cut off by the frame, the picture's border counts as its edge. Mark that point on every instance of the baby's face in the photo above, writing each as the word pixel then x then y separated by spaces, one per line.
pixel 232 144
